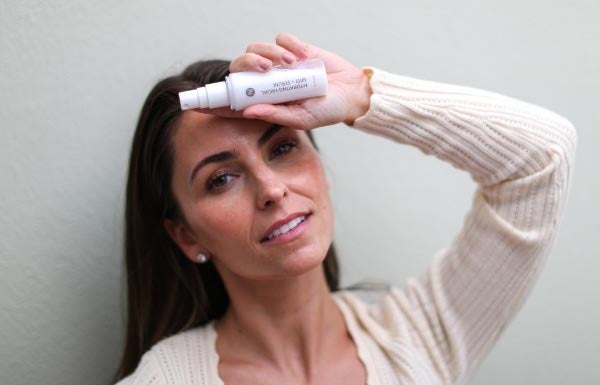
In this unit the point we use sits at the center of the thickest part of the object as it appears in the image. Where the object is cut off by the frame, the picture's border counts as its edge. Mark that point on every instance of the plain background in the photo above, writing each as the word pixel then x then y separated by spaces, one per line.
pixel 72 81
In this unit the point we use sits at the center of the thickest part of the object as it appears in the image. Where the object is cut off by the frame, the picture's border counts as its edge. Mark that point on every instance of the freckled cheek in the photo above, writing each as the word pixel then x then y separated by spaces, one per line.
pixel 224 225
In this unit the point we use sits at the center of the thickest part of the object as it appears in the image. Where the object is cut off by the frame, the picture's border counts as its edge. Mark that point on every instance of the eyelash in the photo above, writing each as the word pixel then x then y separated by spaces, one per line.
pixel 212 183
pixel 289 143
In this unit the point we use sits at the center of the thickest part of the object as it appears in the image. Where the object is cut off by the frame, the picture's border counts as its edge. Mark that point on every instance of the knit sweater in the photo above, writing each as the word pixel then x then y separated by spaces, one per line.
pixel 439 326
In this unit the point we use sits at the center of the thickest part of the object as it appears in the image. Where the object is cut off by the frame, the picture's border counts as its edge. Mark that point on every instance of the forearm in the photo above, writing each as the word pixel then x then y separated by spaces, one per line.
pixel 493 137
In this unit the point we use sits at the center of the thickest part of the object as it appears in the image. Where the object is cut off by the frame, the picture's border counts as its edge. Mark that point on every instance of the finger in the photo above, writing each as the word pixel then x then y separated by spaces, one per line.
pixel 285 115
pixel 223 112
pixel 294 45
pixel 275 53
pixel 250 62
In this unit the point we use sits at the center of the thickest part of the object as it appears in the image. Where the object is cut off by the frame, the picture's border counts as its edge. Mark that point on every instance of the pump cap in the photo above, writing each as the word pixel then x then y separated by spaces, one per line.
pixel 217 95
pixel 213 95
pixel 189 100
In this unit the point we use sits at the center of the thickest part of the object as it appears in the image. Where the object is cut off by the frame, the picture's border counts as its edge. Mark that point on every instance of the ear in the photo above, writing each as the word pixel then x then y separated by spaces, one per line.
pixel 183 237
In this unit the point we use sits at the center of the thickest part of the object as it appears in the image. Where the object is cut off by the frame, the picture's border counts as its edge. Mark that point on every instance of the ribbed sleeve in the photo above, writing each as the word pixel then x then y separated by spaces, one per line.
pixel 440 326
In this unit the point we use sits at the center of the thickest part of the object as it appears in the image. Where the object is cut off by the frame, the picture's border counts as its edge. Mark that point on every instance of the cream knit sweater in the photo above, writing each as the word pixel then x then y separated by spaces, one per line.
pixel 438 328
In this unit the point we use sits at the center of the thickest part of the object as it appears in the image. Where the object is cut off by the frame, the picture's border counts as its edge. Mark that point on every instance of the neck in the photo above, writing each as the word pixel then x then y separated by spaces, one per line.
pixel 289 324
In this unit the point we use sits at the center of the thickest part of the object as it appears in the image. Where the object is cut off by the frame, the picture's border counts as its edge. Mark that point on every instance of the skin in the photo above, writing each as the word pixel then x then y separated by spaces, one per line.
pixel 282 325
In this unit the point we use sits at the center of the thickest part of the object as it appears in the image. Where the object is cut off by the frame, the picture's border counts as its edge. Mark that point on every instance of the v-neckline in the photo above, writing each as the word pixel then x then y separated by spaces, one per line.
pixel 351 326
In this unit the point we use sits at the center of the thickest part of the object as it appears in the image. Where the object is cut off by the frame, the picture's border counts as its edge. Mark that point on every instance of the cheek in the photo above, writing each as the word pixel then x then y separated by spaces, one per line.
pixel 310 178
pixel 310 181
pixel 222 224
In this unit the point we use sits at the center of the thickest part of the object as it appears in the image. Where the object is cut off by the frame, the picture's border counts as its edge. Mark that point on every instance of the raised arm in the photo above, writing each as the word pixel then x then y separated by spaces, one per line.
pixel 521 156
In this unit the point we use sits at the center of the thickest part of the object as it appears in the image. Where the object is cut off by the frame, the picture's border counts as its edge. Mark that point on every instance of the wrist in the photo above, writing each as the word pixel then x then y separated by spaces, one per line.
pixel 362 98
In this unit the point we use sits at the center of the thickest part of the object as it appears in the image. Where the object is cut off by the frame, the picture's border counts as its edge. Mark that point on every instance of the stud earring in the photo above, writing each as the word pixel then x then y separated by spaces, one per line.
pixel 202 258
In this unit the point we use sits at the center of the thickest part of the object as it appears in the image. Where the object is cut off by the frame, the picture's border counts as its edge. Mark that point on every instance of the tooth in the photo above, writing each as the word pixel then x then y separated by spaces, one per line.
pixel 287 227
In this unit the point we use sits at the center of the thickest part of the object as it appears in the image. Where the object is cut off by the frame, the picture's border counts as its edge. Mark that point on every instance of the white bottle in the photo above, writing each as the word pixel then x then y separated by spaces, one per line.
pixel 305 79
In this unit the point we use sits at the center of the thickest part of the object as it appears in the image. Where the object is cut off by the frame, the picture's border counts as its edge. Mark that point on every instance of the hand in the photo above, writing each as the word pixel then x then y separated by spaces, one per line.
pixel 347 96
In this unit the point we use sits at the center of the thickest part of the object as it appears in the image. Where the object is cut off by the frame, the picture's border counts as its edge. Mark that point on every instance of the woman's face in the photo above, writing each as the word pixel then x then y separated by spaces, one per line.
pixel 238 180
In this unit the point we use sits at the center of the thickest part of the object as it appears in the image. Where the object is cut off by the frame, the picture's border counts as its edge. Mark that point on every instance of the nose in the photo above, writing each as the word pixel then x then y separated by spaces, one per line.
pixel 271 188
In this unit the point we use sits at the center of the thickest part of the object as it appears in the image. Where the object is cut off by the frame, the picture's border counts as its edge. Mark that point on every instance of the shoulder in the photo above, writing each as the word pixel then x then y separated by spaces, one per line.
pixel 366 309
pixel 386 311
pixel 183 341
pixel 177 359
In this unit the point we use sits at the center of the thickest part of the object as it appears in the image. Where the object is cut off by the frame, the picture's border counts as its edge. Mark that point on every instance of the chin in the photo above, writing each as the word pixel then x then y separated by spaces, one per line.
pixel 299 262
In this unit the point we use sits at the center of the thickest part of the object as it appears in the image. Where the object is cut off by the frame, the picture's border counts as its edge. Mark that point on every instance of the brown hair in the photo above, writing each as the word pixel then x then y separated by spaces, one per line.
pixel 166 292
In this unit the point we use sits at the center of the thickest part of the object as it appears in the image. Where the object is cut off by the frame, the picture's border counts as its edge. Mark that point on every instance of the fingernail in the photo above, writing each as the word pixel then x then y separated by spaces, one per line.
pixel 288 58
pixel 264 65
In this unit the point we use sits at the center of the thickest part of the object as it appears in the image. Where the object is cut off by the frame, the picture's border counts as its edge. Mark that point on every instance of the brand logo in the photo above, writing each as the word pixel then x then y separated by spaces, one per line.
pixel 250 91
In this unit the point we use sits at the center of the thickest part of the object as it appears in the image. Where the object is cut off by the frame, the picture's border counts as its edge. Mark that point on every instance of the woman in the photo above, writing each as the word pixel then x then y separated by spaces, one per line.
pixel 220 296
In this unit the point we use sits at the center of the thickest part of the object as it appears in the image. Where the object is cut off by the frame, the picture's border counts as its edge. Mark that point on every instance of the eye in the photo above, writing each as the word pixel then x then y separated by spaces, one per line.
pixel 219 181
pixel 282 148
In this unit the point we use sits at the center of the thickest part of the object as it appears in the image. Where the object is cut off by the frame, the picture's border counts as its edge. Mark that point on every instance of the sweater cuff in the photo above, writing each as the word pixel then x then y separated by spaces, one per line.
pixel 387 87
pixel 383 86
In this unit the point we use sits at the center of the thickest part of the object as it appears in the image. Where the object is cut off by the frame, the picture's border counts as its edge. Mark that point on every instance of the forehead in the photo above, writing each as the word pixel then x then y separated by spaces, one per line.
pixel 205 133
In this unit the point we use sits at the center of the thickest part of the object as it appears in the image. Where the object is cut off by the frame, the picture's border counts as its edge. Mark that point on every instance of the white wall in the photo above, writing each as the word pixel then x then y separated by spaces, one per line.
pixel 73 76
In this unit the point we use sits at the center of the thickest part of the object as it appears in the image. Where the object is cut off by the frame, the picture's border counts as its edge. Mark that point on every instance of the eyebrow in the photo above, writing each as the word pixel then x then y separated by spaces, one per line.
pixel 272 130
pixel 232 154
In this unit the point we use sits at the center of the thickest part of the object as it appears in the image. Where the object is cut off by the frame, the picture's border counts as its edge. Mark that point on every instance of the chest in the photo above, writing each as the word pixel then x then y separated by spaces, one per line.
pixel 346 371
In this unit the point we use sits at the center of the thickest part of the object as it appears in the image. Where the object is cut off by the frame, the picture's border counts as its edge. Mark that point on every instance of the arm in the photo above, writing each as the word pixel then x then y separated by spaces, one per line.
pixel 521 156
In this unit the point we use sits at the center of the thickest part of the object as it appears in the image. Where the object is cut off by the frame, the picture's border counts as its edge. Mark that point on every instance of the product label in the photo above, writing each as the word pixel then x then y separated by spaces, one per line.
pixel 276 86
pixel 286 85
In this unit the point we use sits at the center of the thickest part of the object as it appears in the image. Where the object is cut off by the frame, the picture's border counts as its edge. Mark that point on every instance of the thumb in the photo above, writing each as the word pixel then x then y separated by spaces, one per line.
pixel 291 115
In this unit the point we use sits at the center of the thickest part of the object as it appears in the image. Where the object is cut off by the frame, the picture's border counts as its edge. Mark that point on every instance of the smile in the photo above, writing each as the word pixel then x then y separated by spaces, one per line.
pixel 287 231
pixel 287 227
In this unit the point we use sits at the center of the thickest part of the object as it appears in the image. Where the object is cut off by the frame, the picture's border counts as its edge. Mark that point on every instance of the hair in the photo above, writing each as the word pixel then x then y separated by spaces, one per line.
pixel 166 292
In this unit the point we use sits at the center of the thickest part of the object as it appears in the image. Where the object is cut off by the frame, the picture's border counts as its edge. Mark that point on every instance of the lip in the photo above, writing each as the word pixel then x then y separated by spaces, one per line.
pixel 282 222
